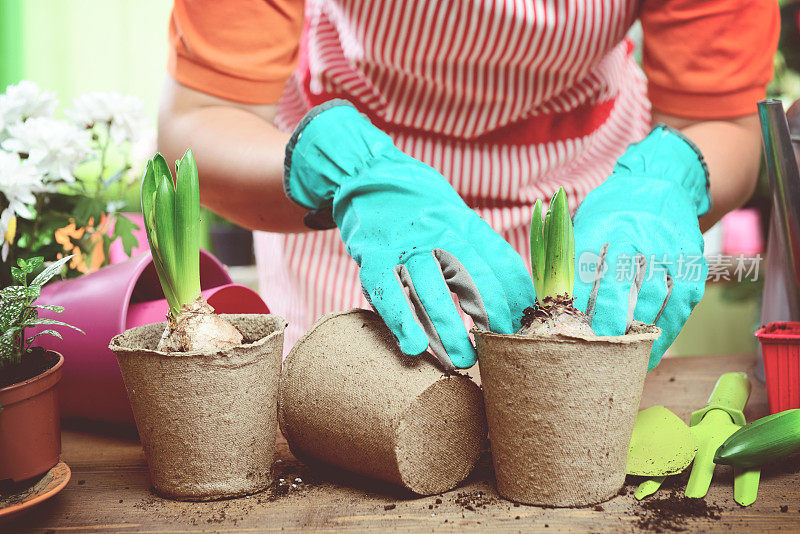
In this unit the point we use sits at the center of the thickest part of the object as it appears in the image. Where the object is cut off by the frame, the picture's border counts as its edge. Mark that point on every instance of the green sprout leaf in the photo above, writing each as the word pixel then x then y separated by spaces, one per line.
pixel 538 251
pixel 164 213
pixel 172 223
pixel 187 224
pixel 553 249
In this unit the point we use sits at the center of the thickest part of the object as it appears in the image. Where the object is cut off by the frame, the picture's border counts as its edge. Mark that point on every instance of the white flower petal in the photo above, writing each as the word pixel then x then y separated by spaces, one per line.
pixel 25 100
pixel 54 147
pixel 123 113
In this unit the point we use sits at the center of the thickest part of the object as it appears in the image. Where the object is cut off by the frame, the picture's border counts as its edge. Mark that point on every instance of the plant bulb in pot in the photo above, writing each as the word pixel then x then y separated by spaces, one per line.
pixel 172 220
pixel 553 268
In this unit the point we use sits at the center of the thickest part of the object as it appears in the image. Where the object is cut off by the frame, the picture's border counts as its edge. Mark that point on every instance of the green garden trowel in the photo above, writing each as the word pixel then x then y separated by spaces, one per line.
pixel 661 444
pixel 711 426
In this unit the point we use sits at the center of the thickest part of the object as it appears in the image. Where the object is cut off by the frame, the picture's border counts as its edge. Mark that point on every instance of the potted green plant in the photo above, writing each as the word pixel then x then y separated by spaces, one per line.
pixel 30 435
pixel 560 401
pixel 203 387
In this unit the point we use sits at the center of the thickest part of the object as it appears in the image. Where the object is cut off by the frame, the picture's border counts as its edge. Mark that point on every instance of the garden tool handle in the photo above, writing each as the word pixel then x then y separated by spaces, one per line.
pixel 730 394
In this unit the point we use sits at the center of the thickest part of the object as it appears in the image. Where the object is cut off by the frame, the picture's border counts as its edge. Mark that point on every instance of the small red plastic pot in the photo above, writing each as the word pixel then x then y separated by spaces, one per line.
pixel 780 345
pixel 30 430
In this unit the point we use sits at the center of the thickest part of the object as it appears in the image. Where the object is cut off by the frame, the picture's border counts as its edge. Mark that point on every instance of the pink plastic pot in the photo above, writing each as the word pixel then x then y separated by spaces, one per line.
pixel 108 302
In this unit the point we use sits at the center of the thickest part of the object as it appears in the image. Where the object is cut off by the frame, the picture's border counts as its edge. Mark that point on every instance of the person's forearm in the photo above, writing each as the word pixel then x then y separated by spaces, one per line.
pixel 239 156
pixel 732 151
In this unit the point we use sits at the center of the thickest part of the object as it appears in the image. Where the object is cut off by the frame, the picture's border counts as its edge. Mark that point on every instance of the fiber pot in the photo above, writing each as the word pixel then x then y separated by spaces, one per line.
pixel 207 421
pixel 30 432
pixel 780 347
pixel 351 399
pixel 561 412
pixel 106 303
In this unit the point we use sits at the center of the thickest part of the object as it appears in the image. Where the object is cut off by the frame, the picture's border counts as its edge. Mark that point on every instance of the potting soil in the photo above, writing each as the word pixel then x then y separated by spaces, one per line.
pixel 36 362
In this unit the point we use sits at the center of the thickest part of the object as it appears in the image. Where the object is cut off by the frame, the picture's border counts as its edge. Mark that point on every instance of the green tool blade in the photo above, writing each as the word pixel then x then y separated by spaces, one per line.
pixel 661 444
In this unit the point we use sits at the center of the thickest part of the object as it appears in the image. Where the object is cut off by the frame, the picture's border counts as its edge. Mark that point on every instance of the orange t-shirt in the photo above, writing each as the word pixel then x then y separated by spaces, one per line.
pixel 242 50
pixel 703 59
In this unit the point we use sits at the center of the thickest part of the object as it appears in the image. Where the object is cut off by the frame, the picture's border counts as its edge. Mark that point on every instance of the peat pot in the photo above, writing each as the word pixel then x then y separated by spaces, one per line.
pixel 207 421
pixel 351 399
pixel 561 412
pixel 108 302
pixel 30 431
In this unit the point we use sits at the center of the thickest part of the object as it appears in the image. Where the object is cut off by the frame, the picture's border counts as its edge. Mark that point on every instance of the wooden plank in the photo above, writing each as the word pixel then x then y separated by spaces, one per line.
pixel 109 491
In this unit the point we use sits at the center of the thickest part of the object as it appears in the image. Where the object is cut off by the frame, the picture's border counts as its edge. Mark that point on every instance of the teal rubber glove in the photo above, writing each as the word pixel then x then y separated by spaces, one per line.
pixel 650 205
pixel 414 238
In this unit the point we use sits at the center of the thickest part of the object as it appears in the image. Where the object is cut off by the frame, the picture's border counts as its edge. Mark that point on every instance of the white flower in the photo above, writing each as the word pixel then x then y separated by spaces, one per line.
pixel 23 101
pixel 124 113
pixel 18 181
pixel 54 146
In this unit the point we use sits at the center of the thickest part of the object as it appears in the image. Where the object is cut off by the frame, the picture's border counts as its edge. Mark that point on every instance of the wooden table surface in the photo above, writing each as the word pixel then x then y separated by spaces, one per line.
pixel 109 491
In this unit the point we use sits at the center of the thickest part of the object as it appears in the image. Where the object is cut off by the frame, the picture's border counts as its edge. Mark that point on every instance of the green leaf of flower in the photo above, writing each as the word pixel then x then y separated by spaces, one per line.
pixel 123 230
pixel 20 276
pixel 50 322
pixel 50 271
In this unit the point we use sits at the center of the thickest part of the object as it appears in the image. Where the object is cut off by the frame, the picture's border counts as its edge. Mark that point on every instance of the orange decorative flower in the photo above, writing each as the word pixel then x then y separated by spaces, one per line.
pixel 65 236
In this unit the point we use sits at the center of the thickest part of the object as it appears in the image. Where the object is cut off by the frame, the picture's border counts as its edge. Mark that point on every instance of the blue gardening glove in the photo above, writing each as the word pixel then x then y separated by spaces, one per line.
pixel 649 205
pixel 414 238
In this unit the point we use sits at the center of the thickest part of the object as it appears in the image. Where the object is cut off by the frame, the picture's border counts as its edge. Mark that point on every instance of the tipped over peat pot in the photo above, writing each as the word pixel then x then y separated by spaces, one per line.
pixel 561 411
pixel 207 421
pixel 350 398
pixel 30 429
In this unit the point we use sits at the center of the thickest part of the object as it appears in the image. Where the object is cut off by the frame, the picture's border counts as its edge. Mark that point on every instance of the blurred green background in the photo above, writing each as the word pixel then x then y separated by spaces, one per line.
pixel 76 46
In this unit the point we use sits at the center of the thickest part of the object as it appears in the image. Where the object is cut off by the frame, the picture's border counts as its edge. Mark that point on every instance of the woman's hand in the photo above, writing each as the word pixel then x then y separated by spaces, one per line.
pixel 413 236
pixel 650 205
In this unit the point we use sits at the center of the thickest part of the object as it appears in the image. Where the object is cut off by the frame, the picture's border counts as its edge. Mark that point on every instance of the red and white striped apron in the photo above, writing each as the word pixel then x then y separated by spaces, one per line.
pixel 508 99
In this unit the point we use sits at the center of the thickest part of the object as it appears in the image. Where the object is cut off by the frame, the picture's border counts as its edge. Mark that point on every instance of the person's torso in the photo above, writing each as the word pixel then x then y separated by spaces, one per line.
pixel 508 99
pixel 501 96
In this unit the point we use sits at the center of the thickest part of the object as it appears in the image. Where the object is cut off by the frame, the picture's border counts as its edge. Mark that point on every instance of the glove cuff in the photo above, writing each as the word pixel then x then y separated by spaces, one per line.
pixel 332 142
pixel 667 154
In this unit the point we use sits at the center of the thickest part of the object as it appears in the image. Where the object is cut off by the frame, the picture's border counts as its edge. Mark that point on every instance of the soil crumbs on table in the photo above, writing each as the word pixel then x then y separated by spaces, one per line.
pixel 674 512
pixel 289 479
pixel 472 500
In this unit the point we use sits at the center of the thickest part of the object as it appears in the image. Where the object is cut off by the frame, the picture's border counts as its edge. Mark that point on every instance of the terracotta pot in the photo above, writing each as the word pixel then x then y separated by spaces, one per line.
pixel 351 399
pixel 207 421
pixel 30 431
pixel 561 412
